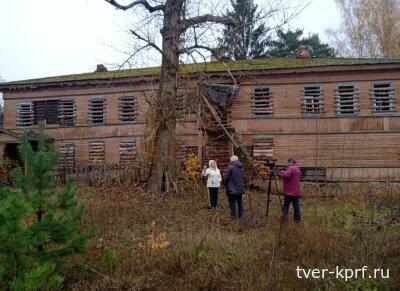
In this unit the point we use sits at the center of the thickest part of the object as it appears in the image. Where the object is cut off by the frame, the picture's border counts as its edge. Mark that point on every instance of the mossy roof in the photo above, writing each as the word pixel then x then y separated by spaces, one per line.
pixel 243 65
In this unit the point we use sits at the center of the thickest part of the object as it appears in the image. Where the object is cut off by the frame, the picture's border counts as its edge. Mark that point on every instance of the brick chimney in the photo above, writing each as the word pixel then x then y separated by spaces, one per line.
pixel 217 54
pixel 101 68
pixel 303 52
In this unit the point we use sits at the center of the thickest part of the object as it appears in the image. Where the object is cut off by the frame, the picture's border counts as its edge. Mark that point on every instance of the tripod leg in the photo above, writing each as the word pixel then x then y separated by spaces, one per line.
pixel 268 195
pixel 279 194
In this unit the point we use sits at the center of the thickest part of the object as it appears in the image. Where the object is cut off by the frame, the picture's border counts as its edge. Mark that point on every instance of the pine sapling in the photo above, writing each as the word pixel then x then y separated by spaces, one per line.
pixel 39 225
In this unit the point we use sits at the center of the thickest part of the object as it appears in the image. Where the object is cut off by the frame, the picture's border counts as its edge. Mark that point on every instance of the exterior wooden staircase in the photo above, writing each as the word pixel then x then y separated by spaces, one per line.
pixel 216 124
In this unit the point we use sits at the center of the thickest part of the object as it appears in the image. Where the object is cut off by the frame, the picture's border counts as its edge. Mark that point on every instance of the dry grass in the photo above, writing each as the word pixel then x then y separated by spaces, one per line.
pixel 163 242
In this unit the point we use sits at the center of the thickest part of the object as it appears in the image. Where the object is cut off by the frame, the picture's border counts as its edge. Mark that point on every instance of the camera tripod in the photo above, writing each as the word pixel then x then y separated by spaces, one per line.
pixel 272 177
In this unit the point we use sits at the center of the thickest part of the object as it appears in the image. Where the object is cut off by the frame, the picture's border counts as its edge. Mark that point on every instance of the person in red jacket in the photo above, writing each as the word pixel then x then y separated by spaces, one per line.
pixel 291 189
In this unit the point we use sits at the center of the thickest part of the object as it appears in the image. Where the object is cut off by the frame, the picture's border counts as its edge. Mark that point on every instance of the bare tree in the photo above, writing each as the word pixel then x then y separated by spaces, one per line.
pixel 185 28
pixel 174 25
pixel 369 28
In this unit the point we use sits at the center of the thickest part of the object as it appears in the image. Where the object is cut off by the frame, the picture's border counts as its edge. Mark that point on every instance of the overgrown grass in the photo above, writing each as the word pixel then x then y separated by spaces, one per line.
pixel 170 242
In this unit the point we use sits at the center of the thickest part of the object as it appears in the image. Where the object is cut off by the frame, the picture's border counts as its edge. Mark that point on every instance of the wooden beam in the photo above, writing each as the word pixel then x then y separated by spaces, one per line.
pixel 217 118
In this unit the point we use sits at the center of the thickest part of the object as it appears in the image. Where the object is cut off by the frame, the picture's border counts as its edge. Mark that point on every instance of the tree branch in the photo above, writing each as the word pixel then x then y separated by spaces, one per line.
pixel 152 44
pixel 227 20
pixel 186 50
pixel 135 3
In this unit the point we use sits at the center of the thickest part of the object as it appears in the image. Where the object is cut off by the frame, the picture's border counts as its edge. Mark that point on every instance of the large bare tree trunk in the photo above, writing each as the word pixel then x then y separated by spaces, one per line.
pixel 163 159
pixel 162 139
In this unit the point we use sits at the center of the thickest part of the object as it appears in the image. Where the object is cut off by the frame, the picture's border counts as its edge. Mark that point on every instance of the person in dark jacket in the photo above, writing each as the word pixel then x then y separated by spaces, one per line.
pixel 233 181
pixel 291 189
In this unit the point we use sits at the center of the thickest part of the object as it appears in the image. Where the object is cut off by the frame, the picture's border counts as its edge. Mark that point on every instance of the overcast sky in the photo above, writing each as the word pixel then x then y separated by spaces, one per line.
pixel 45 38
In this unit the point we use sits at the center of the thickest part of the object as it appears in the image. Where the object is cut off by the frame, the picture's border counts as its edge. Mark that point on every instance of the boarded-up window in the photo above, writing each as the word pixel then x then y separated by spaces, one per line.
pixel 180 110
pixel 263 147
pixel 66 161
pixel 96 152
pixel 182 151
pixel 192 150
pixel 127 151
pixel 25 114
pixel 261 102
pixel 46 111
pixel 127 108
pixel 97 110
pixel 347 100
pixel 67 112
pixel 383 98
pixel 313 100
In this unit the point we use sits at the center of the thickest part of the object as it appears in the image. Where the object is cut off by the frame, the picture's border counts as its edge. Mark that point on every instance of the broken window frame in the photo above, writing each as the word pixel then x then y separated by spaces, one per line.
pixel 25 114
pixel 347 100
pixel 312 96
pixel 262 101
pixel 180 107
pixel 67 112
pixel 127 151
pixel 67 156
pixel 96 152
pixel 128 108
pixel 46 111
pixel 97 110
pixel 263 148
pixel 383 98
pixel 182 151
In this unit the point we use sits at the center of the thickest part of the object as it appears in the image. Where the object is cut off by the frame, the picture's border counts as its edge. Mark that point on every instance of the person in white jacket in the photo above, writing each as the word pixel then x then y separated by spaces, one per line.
pixel 213 182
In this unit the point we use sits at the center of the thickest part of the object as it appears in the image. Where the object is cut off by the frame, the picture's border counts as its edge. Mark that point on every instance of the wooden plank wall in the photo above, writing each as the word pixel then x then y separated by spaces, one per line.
pixel 358 150
pixel 330 141
pixel 363 174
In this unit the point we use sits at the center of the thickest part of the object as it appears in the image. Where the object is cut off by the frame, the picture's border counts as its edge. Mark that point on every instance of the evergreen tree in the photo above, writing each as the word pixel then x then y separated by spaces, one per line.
pixel 39 226
pixel 248 39
pixel 287 43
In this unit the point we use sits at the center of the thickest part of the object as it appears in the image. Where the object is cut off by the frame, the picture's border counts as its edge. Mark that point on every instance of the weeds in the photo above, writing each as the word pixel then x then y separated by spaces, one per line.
pixel 156 242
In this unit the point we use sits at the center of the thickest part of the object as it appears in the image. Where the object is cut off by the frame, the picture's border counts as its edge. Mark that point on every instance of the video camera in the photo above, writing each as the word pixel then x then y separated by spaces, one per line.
pixel 272 174
pixel 271 164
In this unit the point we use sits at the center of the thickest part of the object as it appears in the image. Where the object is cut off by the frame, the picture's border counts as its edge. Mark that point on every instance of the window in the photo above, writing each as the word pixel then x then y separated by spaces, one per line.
pixel 313 100
pixel 96 152
pixel 66 112
pixel 97 110
pixel 127 108
pixel 261 103
pixel 25 114
pixel 127 151
pixel 347 100
pixel 46 111
pixel 66 161
pixel 263 147
pixel 182 151
pixel 180 108
pixel 382 96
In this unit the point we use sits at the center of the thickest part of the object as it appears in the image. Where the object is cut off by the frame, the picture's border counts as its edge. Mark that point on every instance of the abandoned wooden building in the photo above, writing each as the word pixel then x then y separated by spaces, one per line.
pixel 336 115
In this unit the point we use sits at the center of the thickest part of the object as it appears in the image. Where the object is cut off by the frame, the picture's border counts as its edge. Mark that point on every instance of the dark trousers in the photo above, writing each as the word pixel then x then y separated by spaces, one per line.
pixel 235 202
pixel 213 194
pixel 296 207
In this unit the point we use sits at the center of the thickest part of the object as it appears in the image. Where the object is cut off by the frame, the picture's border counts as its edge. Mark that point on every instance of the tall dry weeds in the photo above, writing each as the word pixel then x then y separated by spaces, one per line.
pixel 204 250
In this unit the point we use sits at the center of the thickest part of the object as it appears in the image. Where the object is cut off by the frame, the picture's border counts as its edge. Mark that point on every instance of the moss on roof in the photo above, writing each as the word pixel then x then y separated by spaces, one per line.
pixel 258 64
